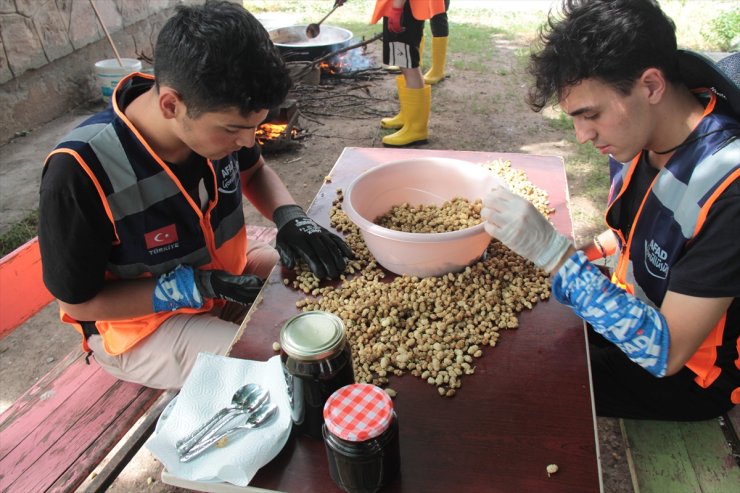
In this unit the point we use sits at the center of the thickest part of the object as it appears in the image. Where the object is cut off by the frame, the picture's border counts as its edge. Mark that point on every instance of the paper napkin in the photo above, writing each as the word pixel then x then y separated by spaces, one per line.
pixel 210 387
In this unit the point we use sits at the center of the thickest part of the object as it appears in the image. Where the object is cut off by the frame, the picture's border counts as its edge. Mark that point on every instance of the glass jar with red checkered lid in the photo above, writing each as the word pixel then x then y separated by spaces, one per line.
pixel 361 437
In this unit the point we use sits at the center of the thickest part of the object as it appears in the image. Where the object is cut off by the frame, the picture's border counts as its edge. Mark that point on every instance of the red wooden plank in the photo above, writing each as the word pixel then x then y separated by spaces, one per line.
pixel 43 399
pixel 109 469
pixel 22 291
pixel 66 395
pixel 31 442
pixel 105 423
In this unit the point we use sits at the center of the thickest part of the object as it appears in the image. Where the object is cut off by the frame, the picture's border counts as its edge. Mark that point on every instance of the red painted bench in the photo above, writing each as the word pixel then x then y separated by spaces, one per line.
pixel 77 427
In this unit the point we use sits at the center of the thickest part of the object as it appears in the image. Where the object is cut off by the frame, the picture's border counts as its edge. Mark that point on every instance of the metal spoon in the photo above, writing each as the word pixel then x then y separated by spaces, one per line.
pixel 244 398
pixel 313 29
pixel 254 405
pixel 259 417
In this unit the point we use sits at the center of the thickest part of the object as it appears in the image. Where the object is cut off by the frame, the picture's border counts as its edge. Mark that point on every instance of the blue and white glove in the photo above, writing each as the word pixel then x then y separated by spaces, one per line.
pixel 185 287
pixel 176 289
pixel 638 329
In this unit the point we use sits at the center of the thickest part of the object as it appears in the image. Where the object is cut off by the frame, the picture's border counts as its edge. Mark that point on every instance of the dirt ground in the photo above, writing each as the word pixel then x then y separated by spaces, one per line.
pixel 470 111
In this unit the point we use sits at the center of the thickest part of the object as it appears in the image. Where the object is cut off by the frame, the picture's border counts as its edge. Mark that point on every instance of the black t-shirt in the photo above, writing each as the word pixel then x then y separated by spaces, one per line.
pixel 710 265
pixel 75 234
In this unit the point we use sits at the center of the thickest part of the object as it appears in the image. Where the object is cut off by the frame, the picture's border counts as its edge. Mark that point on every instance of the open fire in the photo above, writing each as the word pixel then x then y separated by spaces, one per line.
pixel 272 131
pixel 279 130
pixel 346 63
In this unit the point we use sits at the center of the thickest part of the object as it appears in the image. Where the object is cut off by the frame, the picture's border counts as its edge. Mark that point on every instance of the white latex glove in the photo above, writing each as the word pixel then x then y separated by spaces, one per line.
pixel 516 223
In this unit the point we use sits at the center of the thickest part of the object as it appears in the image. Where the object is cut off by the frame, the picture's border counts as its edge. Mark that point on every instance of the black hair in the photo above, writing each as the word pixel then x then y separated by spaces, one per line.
pixel 218 56
pixel 613 41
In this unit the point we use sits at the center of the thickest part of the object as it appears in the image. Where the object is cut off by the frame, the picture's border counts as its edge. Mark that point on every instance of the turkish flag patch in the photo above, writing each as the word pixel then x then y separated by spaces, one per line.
pixel 161 237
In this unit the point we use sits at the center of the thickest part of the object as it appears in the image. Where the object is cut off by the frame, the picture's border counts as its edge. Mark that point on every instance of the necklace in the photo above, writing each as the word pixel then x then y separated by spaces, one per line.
pixel 690 141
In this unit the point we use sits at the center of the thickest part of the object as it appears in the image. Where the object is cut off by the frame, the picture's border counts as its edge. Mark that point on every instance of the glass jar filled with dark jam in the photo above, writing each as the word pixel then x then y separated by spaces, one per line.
pixel 316 362
pixel 361 438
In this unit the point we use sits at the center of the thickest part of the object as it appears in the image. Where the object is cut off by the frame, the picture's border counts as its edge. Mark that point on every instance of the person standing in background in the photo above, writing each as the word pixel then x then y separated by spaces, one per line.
pixel 440 32
pixel 403 27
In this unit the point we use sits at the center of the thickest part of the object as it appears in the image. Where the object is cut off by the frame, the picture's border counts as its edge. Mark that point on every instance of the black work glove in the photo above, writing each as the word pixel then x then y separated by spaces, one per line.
pixel 339 3
pixel 226 286
pixel 299 236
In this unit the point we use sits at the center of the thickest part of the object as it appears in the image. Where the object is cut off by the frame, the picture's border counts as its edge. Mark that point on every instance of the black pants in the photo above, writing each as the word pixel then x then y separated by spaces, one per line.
pixel 411 36
pixel 406 56
pixel 438 23
pixel 624 389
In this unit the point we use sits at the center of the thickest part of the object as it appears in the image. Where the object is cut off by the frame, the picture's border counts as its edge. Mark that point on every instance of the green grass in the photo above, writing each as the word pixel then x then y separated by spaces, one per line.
pixel 593 171
pixel 703 24
pixel 561 122
pixel 723 30
pixel 475 42
pixel 19 233
pixel 587 162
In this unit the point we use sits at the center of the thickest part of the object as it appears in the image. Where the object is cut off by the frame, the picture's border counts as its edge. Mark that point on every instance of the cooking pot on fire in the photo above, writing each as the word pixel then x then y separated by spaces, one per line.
pixel 294 45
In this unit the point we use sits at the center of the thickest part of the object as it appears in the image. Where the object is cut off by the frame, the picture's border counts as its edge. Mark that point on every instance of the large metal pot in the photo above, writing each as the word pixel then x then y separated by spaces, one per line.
pixel 294 45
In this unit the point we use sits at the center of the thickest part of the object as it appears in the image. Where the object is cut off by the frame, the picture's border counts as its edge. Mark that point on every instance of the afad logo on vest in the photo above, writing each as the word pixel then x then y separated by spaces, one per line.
pixel 162 240
pixel 229 176
pixel 655 260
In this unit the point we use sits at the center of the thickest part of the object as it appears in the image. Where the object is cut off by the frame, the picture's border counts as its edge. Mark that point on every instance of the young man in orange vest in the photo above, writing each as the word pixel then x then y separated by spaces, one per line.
pixel 664 333
pixel 142 231
pixel 403 27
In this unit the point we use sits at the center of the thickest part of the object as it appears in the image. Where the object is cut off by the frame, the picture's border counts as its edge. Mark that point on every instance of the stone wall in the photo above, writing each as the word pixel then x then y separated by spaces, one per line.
pixel 48 49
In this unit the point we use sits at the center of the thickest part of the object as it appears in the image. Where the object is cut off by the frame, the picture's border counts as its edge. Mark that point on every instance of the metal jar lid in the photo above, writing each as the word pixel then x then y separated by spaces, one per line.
pixel 313 335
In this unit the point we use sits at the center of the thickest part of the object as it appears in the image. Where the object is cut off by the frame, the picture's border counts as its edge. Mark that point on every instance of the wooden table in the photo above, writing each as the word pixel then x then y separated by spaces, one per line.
pixel 527 405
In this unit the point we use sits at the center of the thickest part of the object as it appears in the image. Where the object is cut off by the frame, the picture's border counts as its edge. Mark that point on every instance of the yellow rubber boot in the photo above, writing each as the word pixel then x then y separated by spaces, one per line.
pixel 416 129
pixel 439 58
pixel 398 120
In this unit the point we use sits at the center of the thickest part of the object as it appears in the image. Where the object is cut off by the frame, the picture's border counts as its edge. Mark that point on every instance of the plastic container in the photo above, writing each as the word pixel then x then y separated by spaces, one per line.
pixel 316 362
pixel 427 181
pixel 109 73
pixel 361 438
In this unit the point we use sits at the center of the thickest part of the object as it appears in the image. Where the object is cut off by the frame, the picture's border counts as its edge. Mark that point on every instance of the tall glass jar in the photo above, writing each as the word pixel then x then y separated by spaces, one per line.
pixel 316 362
pixel 361 438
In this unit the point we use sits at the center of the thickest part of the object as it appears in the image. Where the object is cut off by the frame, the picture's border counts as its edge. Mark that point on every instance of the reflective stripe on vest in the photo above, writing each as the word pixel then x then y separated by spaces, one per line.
pixel 671 214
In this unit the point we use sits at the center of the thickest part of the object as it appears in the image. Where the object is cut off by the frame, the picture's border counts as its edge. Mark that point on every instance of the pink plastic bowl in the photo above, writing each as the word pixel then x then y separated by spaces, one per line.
pixel 419 181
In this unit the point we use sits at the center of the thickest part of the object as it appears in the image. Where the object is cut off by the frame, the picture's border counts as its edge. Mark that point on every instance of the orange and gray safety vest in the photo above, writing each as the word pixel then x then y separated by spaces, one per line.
pixel 157 225
pixel 671 214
